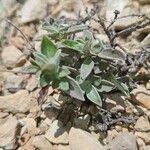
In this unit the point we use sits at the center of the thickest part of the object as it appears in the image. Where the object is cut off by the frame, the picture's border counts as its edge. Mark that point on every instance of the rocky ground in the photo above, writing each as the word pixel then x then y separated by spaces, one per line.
pixel 24 125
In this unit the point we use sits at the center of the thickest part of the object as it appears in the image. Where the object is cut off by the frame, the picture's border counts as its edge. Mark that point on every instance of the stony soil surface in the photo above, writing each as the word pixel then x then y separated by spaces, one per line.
pixel 24 125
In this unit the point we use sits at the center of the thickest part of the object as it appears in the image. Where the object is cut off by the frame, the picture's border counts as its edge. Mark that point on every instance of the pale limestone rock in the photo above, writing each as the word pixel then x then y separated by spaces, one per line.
pixel 144 136
pixel 140 143
pixel 33 10
pixel 124 141
pixel 14 83
pixel 145 10
pixel 146 42
pixel 141 96
pixel 63 147
pixel 112 5
pixel 147 147
pixel 30 125
pixel 57 133
pixel 15 103
pixel 142 124
pixel 41 143
pixel 80 139
pixel 12 57
pixel 123 23
pixel 9 129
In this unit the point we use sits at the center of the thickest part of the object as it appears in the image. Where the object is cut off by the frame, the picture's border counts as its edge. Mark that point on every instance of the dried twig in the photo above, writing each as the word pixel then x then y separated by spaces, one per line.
pixel 10 22
pixel 116 12
pixel 13 71
pixel 132 28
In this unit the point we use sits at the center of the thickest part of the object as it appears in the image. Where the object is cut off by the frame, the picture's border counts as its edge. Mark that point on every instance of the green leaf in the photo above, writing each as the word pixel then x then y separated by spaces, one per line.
pixel 48 48
pixel 30 69
pixel 44 80
pixel 105 86
pixel 56 58
pixel 96 80
pixel 51 28
pixel 121 86
pixel 111 54
pixel 38 75
pixel 64 71
pixel 75 45
pixel 39 57
pixel 86 68
pixel 35 63
pixel 93 95
pixel 75 90
pixel 64 85
pixel 85 85
pixel 53 64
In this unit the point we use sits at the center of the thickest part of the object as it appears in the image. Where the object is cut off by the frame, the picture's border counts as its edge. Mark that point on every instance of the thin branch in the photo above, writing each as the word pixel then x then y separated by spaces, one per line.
pixel 132 15
pixel 13 71
pixel 116 12
pixel 132 28
pixel 10 22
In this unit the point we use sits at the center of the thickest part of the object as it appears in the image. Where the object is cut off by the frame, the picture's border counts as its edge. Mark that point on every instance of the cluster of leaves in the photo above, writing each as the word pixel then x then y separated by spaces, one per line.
pixel 78 64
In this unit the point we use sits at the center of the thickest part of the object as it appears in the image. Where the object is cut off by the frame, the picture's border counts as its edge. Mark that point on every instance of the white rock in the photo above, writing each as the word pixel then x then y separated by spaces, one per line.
pixel 41 143
pixel 12 57
pixel 33 10
pixel 142 124
pixel 146 42
pixel 111 134
pixel 127 21
pixel 3 115
pixel 63 147
pixel 32 84
pixel 13 83
pixel 141 96
pixel 145 10
pixel 8 131
pixel 52 2
pixel 147 147
pixel 144 136
pixel 57 133
pixel 30 125
pixel 140 143
pixel 80 139
pixel 15 103
pixel 123 141
pixel 113 5
pixel 6 6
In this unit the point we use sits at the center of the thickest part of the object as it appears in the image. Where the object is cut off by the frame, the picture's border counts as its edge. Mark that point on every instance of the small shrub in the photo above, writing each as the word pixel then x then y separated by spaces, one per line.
pixel 82 66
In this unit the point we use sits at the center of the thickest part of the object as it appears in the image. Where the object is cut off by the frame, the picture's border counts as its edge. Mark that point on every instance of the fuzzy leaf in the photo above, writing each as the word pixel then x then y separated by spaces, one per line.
pixel 39 57
pixel 48 48
pixel 121 86
pixel 110 54
pixel 30 69
pixel 105 86
pixel 35 63
pixel 75 45
pixel 86 68
pixel 93 95
pixel 64 85
pixel 75 90
pixel 44 80
pixel 64 71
